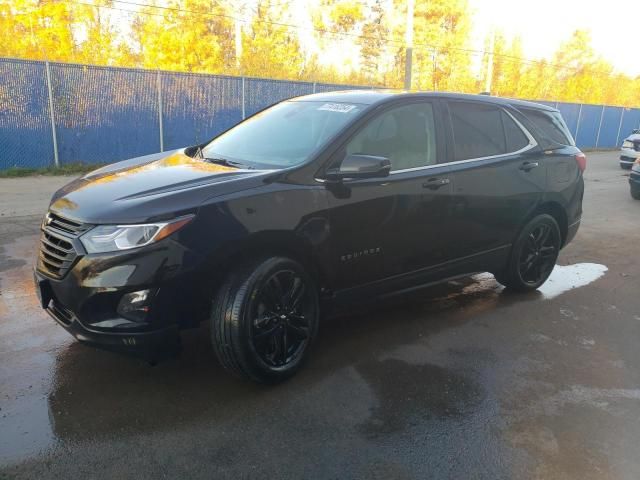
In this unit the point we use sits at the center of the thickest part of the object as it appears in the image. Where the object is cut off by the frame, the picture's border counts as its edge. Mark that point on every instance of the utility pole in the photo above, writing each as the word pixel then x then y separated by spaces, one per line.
pixel 238 40
pixel 408 40
pixel 489 77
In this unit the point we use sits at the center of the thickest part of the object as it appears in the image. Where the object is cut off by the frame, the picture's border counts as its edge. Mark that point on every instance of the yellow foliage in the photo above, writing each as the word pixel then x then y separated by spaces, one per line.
pixel 275 38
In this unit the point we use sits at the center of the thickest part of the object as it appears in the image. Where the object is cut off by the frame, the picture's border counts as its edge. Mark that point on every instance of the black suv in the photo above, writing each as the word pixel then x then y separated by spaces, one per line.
pixel 307 206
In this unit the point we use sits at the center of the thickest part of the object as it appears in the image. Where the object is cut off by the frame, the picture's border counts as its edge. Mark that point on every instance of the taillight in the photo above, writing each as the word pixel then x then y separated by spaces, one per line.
pixel 581 160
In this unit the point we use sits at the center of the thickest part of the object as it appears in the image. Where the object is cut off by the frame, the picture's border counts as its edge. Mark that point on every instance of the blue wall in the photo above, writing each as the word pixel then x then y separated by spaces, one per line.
pixel 105 114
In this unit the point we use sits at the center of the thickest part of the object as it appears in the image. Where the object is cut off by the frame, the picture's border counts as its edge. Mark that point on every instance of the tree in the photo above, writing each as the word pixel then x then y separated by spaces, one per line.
pixel 580 73
pixel 188 36
pixel 286 39
pixel 373 45
pixel 270 47
pixel 508 65
pixel 57 30
pixel 441 36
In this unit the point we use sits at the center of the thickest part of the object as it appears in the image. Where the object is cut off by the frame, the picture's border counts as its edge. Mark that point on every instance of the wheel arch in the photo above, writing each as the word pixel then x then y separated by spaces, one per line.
pixel 268 244
pixel 557 212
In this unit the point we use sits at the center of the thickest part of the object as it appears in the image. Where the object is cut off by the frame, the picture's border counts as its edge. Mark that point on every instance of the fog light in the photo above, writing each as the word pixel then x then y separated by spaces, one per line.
pixel 135 305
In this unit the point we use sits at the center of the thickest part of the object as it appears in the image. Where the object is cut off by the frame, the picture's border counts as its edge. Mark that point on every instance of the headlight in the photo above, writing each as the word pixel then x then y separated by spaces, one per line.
pixel 111 238
pixel 627 144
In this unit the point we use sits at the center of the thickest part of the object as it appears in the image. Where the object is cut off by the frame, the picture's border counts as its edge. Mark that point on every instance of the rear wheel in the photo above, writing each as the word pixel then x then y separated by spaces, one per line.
pixel 533 256
pixel 263 319
pixel 635 193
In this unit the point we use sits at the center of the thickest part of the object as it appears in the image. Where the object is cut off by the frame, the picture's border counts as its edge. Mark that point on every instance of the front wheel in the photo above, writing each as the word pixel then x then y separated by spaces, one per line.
pixel 635 193
pixel 533 256
pixel 263 319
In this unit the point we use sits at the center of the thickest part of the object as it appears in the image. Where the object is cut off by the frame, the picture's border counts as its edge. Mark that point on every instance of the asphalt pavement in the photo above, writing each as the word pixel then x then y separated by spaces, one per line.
pixel 461 380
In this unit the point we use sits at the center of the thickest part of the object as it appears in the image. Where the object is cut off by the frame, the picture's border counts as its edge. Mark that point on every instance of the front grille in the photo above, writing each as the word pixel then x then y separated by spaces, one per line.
pixel 57 254
pixel 64 224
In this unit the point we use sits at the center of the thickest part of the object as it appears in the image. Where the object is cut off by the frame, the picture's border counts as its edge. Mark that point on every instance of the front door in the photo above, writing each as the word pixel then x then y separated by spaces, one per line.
pixel 393 226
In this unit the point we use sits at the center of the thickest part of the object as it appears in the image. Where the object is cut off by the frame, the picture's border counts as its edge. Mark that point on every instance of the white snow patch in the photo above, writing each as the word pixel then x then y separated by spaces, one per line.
pixel 565 278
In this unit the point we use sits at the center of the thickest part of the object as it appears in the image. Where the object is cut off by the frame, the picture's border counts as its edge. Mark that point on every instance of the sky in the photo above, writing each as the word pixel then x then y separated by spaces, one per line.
pixel 544 24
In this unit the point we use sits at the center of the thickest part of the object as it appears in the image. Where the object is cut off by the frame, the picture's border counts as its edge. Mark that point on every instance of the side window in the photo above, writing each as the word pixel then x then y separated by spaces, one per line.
pixel 477 130
pixel 405 135
pixel 516 139
pixel 551 125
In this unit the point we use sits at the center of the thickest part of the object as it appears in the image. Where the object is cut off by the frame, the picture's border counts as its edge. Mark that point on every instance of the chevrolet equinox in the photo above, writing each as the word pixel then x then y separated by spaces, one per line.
pixel 309 205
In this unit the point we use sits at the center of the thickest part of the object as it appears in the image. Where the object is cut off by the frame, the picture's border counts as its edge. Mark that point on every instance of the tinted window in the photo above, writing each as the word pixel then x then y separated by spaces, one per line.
pixel 551 125
pixel 477 130
pixel 516 139
pixel 405 135
pixel 283 135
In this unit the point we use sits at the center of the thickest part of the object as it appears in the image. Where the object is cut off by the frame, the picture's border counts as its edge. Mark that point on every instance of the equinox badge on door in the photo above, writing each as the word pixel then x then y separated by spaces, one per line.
pixel 354 255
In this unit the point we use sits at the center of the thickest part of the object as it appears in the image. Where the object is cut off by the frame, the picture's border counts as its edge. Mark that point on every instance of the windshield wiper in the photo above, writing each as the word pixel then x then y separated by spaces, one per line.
pixel 224 161
pixel 219 160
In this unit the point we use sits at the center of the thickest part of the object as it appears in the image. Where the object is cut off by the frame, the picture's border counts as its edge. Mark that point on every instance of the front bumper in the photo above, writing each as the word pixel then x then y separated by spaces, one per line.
pixel 86 300
pixel 628 156
pixel 144 343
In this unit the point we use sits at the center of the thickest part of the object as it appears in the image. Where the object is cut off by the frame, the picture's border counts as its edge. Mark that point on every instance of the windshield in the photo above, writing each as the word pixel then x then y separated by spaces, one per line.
pixel 284 135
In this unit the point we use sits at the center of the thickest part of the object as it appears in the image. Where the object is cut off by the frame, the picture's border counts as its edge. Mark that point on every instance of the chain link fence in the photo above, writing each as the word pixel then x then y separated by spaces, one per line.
pixel 55 113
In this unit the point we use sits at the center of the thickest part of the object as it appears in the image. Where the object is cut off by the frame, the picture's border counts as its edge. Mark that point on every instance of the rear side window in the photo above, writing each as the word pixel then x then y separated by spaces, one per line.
pixel 483 131
pixel 477 130
pixel 550 124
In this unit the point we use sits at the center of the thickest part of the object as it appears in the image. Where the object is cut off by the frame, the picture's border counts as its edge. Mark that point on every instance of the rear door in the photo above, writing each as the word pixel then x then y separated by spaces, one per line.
pixel 565 185
pixel 498 180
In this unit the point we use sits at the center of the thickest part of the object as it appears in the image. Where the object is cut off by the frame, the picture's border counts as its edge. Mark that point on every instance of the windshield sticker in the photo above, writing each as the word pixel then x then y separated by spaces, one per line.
pixel 337 107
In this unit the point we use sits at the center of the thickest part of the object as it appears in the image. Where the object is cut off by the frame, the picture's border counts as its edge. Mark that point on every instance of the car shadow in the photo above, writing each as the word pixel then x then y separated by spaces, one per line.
pixel 98 393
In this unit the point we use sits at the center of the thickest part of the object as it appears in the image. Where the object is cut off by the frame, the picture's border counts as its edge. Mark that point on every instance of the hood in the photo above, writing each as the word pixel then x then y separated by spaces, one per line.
pixel 149 187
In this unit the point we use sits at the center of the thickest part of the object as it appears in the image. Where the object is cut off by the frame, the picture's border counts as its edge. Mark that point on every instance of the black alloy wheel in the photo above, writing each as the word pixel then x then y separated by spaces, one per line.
pixel 533 256
pixel 538 255
pixel 263 319
pixel 280 327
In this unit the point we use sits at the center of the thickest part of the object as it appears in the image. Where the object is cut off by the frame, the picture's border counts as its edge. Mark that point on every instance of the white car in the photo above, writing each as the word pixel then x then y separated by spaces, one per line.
pixel 630 150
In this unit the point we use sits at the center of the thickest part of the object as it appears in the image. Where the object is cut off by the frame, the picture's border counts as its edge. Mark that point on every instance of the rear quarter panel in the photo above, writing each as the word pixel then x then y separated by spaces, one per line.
pixel 565 183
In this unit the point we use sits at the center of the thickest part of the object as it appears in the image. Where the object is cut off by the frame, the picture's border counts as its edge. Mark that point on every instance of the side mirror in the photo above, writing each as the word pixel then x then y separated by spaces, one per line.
pixel 360 166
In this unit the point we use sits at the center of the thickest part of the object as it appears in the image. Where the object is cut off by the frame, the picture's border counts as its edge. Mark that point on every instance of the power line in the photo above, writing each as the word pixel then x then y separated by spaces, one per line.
pixel 389 42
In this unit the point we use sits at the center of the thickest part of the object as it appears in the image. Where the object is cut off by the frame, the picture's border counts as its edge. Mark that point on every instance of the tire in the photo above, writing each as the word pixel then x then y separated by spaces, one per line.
pixel 533 255
pixel 625 166
pixel 635 193
pixel 264 318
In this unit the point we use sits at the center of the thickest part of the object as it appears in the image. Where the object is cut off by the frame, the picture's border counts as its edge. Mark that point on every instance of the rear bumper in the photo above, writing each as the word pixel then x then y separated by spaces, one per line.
pixel 628 156
pixel 572 230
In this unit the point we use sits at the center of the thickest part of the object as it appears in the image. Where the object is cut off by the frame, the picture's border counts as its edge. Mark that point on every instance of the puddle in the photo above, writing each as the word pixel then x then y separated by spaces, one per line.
pixel 567 277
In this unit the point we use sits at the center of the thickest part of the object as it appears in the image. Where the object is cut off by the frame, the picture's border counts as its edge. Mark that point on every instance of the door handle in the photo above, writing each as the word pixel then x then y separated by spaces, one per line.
pixel 526 166
pixel 436 183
